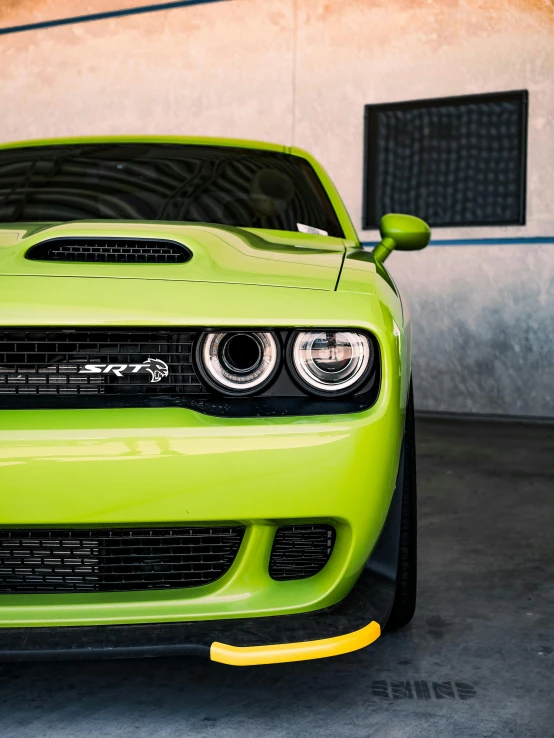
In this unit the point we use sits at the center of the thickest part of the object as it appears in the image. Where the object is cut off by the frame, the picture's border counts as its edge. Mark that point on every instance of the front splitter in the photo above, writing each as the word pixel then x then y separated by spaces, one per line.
pixel 352 624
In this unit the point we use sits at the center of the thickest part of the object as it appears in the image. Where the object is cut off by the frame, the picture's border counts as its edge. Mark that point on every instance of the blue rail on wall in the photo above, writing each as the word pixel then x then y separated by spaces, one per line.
pixel 514 241
pixel 105 16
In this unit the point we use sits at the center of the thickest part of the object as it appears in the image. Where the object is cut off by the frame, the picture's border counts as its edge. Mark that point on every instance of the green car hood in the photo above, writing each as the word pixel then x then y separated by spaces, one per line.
pixel 219 254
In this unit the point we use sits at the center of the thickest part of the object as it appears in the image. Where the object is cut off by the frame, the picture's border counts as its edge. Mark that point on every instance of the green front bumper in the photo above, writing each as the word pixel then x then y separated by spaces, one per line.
pixel 172 465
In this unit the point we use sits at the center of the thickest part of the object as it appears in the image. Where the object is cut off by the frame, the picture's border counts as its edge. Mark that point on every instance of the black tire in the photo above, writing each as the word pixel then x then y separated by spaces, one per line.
pixel 404 604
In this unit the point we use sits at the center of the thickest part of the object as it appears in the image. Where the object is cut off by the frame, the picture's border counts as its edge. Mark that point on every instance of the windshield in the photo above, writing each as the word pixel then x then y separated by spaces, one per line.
pixel 164 182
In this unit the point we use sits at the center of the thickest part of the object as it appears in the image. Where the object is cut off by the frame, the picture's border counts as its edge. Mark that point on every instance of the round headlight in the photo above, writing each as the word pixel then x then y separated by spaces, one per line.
pixel 238 363
pixel 331 361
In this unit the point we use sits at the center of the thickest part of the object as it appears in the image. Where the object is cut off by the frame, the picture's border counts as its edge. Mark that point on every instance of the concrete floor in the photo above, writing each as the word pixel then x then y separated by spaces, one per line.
pixel 478 660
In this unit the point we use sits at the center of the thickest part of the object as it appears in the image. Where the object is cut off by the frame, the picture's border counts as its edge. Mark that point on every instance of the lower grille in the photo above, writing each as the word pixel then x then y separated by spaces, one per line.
pixel 98 361
pixel 300 551
pixel 114 560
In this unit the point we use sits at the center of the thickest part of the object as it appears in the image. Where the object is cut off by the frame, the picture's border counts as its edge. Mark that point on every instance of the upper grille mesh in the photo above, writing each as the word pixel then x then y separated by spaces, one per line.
pixel 110 250
pixel 43 561
pixel 50 361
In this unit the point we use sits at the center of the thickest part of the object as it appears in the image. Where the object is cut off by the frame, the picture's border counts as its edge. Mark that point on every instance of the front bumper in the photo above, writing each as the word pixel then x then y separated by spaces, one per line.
pixel 169 465
pixel 147 466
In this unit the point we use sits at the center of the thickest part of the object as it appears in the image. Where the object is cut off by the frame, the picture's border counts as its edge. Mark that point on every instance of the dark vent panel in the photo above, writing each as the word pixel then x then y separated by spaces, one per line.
pixel 300 551
pixel 110 250
pixel 454 161
pixel 39 561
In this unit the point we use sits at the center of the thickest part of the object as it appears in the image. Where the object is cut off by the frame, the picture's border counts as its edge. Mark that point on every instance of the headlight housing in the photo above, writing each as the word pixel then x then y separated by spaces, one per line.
pixel 238 362
pixel 331 361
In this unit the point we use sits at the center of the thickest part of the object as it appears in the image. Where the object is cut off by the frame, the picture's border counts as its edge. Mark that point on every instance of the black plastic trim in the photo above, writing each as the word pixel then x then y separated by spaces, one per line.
pixel 224 407
pixel 384 558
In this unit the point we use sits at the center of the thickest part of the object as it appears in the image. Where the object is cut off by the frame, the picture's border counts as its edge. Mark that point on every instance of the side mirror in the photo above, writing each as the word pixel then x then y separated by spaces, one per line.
pixel 402 232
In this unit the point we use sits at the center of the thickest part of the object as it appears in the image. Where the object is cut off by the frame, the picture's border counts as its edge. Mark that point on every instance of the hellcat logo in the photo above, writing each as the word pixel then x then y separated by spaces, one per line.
pixel 157 369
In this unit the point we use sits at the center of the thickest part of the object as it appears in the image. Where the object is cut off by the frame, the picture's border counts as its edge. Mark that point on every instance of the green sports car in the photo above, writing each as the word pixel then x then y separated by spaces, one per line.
pixel 206 424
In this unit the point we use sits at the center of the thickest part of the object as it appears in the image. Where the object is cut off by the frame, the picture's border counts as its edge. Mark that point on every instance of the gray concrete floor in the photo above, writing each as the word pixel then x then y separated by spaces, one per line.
pixel 477 661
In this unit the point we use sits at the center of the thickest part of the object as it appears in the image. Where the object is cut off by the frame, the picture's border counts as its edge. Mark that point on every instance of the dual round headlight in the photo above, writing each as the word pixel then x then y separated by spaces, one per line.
pixel 240 362
pixel 330 361
pixel 323 362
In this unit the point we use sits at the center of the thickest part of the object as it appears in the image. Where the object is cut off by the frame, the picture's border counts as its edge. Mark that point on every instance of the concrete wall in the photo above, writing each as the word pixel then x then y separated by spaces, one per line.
pixel 301 71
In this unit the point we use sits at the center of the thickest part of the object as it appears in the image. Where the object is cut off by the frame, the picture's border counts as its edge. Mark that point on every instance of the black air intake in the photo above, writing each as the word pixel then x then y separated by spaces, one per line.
pixel 300 551
pixel 114 560
pixel 110 250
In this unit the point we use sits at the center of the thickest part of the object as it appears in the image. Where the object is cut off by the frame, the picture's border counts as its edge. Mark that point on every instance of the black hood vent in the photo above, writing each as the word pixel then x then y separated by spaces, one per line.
pixel 110 250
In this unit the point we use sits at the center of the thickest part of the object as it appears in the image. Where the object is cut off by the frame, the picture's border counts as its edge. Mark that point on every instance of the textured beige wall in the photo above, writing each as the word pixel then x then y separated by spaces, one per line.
pixel 301 71
pixel 351 52
pixel 483 315
pixel 219 69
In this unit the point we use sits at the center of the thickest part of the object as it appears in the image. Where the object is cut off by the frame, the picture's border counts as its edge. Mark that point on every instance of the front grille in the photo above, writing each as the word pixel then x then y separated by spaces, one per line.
pixel 300 551
pixel 53 362
pixel 114 560
pixel 110 250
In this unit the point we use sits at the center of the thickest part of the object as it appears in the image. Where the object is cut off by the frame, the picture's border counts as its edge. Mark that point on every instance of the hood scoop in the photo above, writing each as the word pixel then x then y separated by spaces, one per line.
pixel 110 250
